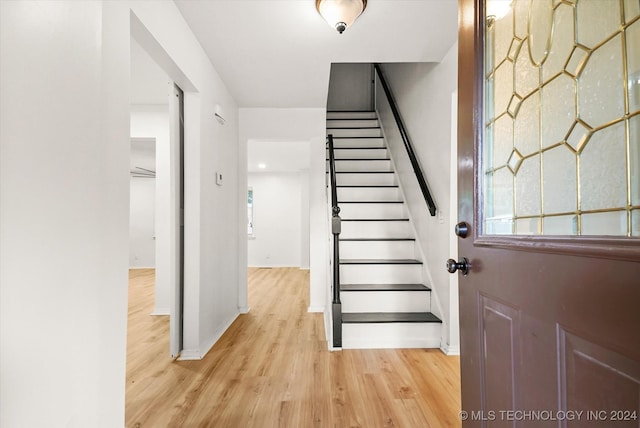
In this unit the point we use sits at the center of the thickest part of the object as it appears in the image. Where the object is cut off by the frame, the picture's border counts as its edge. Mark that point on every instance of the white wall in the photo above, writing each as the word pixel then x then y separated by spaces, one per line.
pixel 152 121
pixel 64 112
pixel 64 189
pixel 277 219
pixel 142 247
pixel 423 92
pixel 305 243
pixel 304 124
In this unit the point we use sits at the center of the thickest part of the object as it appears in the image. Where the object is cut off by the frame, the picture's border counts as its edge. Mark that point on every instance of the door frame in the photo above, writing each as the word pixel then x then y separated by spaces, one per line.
pixel 179 277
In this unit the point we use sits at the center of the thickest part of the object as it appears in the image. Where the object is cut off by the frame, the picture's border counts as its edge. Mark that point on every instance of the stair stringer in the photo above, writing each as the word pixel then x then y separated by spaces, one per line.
pixel 436 307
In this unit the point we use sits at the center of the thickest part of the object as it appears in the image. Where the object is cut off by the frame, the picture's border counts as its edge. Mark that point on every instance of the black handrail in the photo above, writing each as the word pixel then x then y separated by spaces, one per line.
pixel 335 230
pixel 335 209
pixel 407 143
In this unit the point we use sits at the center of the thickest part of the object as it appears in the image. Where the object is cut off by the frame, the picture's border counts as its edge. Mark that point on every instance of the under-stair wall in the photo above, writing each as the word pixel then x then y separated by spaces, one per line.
pixel 423 93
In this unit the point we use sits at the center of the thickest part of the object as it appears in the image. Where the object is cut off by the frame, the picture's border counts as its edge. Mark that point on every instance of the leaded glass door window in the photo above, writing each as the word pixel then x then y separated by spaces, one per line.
pixel 562 118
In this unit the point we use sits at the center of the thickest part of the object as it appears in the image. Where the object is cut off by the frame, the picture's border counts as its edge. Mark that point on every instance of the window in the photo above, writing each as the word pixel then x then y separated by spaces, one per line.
pixel 250 212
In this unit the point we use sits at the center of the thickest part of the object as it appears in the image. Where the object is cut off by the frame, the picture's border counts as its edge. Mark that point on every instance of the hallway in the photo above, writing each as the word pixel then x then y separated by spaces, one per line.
pixel 272 368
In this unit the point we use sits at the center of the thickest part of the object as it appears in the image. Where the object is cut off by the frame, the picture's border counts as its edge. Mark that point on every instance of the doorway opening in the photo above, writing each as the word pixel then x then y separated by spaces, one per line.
pixel 278 204
pixel 157 204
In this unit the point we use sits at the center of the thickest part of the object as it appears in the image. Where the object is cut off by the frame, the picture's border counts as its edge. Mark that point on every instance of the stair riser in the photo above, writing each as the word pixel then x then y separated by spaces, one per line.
pixel 356 132
pixel 368 165
pixel 352 123
pixel 351 115
pixel 369 194
pixel 376 229
pixel 391 335
pixel 377 249
pixel 385 301
pixel 358 142
pixel 380 274
pixel 364 179
pixel 372 210
pixel 359 154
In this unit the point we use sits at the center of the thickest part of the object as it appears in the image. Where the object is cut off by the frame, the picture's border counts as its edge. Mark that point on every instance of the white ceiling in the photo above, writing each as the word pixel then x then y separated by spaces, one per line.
pixel 278 156
pixel 277 53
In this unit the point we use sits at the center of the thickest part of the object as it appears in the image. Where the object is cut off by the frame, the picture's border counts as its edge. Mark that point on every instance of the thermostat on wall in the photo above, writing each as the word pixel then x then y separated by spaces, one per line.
pixel 219 178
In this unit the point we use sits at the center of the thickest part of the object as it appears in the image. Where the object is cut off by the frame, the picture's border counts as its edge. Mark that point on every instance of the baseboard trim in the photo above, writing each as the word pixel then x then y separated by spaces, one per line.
pixel 332 348
pixel 160 311
pixel 315 309
pixel 189 355
pixel 244 309
pixel 396 343
pixel 450 350
pixel 197 354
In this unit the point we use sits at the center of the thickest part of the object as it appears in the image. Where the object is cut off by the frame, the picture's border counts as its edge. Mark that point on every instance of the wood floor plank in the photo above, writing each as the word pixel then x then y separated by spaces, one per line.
pixel 272 368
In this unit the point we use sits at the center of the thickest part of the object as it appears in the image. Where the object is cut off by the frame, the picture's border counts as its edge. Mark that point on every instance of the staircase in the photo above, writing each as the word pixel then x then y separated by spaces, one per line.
pixel 385 303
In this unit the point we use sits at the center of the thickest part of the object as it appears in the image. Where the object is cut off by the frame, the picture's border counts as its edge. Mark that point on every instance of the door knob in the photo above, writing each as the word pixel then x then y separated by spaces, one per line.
pixel 463 266
pixel 462 229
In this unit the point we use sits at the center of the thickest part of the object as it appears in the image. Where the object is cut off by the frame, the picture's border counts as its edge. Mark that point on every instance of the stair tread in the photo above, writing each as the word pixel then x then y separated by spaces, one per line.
pixel 377 239
pixel 387 317
pixel 375 219
pixel 345 138
pixel 368 185
pixel 359 159
pixel 384 287
pixel 363 172
pixel 360 148
pixel 380 262
pixel 354 127
pixel 371 202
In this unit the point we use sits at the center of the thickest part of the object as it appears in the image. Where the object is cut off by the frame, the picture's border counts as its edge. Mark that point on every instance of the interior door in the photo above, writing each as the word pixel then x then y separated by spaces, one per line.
pixel 549 188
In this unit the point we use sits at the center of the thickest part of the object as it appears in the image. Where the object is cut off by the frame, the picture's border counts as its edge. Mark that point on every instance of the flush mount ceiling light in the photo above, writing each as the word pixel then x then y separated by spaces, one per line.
pixel 340 14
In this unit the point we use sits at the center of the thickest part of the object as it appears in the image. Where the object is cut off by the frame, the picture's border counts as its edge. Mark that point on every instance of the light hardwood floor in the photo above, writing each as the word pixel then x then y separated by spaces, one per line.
pixel 272 369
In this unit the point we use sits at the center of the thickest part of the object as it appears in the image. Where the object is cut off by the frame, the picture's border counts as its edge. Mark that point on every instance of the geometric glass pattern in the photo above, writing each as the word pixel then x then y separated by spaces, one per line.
pixel 562 119
pixel 578 136
pixel 514 161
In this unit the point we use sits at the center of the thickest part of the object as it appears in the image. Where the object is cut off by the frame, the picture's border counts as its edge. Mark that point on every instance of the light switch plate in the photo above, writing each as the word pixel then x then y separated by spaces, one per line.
pixel 219 178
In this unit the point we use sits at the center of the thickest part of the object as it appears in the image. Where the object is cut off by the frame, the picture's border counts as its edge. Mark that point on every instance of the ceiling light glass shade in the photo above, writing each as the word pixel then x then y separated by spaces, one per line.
pixel 340 14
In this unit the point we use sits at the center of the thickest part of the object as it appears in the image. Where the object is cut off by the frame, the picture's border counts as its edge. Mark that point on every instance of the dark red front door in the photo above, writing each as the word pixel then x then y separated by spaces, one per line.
pixel 550 321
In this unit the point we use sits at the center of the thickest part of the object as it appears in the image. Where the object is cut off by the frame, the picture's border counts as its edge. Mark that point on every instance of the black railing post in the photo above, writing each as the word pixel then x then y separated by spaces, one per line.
pixel 336 227
pixel 407 143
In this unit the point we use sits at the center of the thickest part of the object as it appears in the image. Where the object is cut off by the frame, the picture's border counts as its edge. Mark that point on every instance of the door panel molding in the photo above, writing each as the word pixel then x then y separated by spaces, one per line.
pixel 500 346
pixel 595 379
